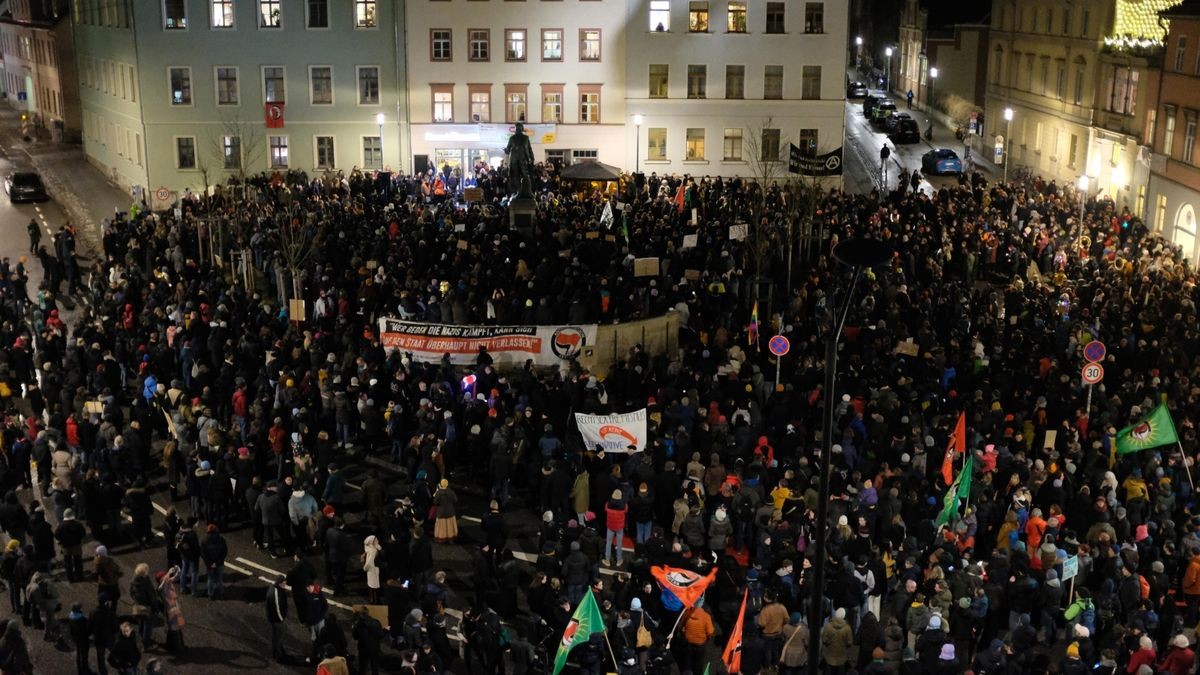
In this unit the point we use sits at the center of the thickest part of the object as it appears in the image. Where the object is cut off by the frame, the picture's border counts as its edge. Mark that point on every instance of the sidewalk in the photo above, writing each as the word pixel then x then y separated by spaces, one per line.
pixel 84 193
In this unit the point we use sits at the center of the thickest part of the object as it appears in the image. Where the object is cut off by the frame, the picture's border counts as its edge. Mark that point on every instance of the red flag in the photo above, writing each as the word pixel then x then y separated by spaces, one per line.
pixel 274 115
pixel 957 445
pixel 732 656
pixel 687 585
pixel 679 199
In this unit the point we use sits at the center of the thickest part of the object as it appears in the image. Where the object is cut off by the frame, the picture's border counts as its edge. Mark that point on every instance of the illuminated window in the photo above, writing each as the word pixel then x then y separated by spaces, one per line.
pixel 733 144
pixel 698 16
pixel 656 143
pixel 695 144
pixel 364 13
pixel 736 17
pixel 658 80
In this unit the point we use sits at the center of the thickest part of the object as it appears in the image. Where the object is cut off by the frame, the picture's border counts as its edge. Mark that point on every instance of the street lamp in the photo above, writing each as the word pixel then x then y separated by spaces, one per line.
pixel 379 118
pixel 1008 115
pixel 858 254
pixel 637 143
pixel 933 73
pixel 858 52
pixel 888 79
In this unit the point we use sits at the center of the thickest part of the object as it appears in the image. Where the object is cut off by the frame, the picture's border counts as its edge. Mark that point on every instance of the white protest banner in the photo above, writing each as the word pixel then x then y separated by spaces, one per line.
pixel 427 342
pixel 613 433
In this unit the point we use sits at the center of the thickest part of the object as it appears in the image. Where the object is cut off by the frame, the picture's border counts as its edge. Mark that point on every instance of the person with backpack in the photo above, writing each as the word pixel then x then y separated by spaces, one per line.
pixel 1082 612
pixel 368 633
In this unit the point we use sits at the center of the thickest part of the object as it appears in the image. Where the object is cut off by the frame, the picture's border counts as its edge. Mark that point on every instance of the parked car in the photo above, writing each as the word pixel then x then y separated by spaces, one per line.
pixel 893 121
pixel 904 129
pixel 941 161
pixel 856 90
pixel 880 113
pixel 22 186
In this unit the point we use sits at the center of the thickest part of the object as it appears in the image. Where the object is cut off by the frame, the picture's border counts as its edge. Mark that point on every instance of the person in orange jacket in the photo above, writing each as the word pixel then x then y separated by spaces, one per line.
pixel 1191 586
pixel 697 630
pixel 1034 529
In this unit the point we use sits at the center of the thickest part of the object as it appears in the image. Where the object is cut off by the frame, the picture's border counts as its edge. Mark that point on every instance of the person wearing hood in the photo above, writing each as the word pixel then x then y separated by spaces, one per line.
pixel 992 660
pixel 947 661
pixel 371 565
pixel 302 511
pixel 1179 659
pixel 719 531
pixel 15 650
pixel 836 641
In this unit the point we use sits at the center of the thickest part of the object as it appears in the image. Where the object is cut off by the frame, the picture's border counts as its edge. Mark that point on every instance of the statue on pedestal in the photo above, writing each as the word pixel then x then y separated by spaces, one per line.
pixel 520 163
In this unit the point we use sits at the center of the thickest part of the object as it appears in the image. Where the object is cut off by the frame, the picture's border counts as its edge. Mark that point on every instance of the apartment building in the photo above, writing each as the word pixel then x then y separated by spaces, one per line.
pixel 1050 63
pixel 720 85
pixel 1174 183
pixel 181 94
pixel 39 75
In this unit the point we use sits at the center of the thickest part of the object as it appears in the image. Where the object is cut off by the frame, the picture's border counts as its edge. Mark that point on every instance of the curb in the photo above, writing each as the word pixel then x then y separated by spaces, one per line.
pixel 71 203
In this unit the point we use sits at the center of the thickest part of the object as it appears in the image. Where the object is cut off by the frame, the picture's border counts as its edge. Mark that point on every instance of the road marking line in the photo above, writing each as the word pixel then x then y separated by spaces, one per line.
pixel 471 519
pixel 158 508
pixel 255 565
pixel 352 486
pixel 239 570
pixel 129 519
pixel 532 558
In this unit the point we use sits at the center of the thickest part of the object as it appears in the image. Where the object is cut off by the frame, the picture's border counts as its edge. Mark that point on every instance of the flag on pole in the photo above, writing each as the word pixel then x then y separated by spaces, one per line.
pixel 679 199
pixel 1154 430
pixel 586 621
pixel 957 445
pixel 606 217
pixel 752 331
pixel 686 585
pixel 959 490
pixel 625 224
pixel 732 656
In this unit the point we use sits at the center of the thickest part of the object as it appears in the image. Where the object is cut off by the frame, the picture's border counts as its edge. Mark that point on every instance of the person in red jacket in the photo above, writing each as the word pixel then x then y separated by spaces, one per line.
pixel 615 511
pixel 1143 656
pixel 1179 659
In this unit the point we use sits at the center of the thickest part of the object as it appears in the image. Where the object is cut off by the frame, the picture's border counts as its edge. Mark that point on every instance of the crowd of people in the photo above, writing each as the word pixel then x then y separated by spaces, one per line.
pixel 177 380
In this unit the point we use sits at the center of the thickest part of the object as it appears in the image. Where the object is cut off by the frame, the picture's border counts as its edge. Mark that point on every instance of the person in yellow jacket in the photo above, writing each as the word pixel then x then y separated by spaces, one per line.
pixel 780 494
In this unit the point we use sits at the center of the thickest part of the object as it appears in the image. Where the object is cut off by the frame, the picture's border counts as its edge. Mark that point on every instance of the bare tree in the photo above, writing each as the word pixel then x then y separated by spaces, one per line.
pixel 246 146
pixel 297 241
pixel 764 144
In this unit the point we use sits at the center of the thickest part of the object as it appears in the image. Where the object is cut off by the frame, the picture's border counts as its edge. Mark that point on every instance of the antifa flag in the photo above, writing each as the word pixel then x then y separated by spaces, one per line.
pixel 829 164
pixel 686 585
pixel 732 656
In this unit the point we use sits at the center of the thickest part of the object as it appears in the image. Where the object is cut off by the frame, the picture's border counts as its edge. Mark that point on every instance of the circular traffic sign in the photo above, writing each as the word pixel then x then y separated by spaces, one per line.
pixel 779 345
pixel 1094 351
pixel 1093 373
pixel 163 194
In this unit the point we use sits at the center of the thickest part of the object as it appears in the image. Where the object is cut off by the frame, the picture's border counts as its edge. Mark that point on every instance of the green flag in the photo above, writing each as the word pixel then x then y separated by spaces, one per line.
pixel 1154 430
pixel 960 490
pixel 707 668
pixel 586 621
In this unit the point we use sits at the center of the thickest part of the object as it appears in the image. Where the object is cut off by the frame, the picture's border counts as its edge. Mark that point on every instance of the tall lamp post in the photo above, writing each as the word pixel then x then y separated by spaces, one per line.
pixel 379 119
pixel 887 80
pixel 858 53
pixel 933 73
pixel 637 143
pixel 858 254
pixel 1008 115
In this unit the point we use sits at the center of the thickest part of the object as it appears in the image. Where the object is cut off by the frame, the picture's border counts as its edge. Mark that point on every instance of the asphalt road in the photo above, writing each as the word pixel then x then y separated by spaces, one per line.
pixel 863 144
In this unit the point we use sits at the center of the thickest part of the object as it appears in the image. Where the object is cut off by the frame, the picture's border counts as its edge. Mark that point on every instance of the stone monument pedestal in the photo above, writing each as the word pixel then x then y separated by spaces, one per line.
pixel 522 215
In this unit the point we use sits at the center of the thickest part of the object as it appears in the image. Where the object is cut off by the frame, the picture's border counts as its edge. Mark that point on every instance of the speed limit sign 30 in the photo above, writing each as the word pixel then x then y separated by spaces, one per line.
pixel 1092 373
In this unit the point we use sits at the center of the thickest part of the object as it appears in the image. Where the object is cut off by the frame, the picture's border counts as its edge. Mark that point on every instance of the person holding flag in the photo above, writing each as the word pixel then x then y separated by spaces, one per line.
pixel 956 446
pixel 752 329
pixel 732 656
pixel 586 621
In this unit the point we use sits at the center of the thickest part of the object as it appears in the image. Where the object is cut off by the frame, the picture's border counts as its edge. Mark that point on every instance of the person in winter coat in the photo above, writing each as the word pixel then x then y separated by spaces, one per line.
pixel 273 511
pixel 1191 587
pixel 14 651
pixel 836 641
pixel 368 633
pixel 277 610
pixel 62 465
pixel 315 613
pixel 137 502
pixel 70 534
pixel 615 510
pixel 125 655
pixel 581 497
pixel 189 557
pixel 371 562
pixel 929 645
pixel 445 503
pixel 719 530
pixel 1179 659
pixel 794 657
pixel 103 620
pixel 947 661
pixel 147 604
pixel 108 575
pixel 81 636
pixel 168 590
pixel 214 550
pixel 302 512
pixel 641 509
pixel 993 660
pixel 576 573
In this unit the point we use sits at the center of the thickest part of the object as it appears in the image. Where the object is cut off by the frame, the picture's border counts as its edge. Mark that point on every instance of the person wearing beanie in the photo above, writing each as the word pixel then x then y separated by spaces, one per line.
pixel 70 534
pixel 80 629
pixel 1144 656
pixel 1179 658
pixel 994 659
pixel 108 576
pixel 837 639
pixel 445 503
pixel 615 510
pixel 1072 665
pixel 929 644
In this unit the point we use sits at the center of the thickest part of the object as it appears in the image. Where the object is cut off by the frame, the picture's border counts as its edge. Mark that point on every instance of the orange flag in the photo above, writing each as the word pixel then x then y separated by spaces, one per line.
pixel 679 198
pixel 957 445
pixel 732 655
pixel 687 585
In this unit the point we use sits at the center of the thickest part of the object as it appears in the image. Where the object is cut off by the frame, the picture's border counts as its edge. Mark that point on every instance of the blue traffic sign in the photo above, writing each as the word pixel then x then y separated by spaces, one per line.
pixel 1094 351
